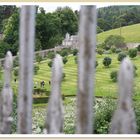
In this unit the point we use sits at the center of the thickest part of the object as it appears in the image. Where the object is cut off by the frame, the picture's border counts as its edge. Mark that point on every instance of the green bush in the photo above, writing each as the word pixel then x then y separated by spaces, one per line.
pixel 1 85
pixel 50 63
pixel 113 49
pixel 16 62
pixel 103 113
pixel 36 69
pixel 135 70
pixel 2 55
pixel 64 53
pixel 101 46
pixel 16 72
pixel 63 76
pixel 100 51
pixel 137 113
pixel 96 64
pixel 132 52
pixel 1 73
pixel 114 75
pixel 14 114
pixel 107 61
pixel 121 56
pixel 51 55
pixel 74 52
pixel 65 60
pixel 38 46
pixel 106 48
pixel 114 40
pixel 4 47
pixel 38 58
pixel 138 48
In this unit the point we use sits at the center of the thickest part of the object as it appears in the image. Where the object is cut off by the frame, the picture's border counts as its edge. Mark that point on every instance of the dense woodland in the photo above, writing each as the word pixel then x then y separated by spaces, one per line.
pixel 115 16
pixel 52 27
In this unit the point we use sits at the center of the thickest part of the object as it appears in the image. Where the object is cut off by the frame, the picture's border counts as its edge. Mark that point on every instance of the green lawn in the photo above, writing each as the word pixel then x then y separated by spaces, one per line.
pixel 130 33
pixel 103 84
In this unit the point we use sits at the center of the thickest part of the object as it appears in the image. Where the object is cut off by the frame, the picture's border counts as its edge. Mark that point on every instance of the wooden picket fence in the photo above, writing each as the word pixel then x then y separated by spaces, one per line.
pixel 123 121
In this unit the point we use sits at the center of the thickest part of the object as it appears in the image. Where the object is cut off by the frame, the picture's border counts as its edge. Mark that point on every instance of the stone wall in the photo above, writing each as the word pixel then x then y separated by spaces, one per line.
pixel 42 53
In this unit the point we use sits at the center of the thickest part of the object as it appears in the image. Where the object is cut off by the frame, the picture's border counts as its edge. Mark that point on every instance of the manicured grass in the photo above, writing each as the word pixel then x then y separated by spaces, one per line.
pixel 103 84
pixel 130 33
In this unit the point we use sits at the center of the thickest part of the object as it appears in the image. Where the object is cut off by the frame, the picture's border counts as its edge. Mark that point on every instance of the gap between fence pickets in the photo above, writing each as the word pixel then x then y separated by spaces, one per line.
pixel 6 97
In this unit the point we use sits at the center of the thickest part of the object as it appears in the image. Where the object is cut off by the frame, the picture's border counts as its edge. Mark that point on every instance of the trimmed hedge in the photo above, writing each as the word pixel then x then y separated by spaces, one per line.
pixel 43 99
pixel 39 100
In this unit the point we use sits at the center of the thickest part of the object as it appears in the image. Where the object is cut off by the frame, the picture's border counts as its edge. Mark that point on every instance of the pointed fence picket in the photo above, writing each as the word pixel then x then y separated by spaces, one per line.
pixel 7 96
pixel 123 121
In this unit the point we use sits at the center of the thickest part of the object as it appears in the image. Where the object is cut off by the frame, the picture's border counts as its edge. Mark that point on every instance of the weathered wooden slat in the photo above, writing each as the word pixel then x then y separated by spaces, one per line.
pixel 86 69
pixel 123 121
pixel 7 96
pixel 26 55
pixel 55 112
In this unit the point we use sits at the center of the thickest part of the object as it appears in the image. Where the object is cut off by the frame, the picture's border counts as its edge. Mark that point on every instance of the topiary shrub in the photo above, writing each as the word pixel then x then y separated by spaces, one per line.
pixel 107 61
pixel 63 76
pixel 64 53
pixel 65 60
pixel 50 63
pixel 114 75
pixel 121 56
pixel 132 52
pixel 51 55
pixel 100 51
pixel 138 48
pixel 106 48
pixel 74 52
pixel 113 49
pixel 96 64
pixel 36 69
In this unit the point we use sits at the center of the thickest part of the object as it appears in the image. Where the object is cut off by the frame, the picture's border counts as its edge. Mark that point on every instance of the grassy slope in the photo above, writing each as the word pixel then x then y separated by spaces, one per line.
pixel 104 85
pixel 130 33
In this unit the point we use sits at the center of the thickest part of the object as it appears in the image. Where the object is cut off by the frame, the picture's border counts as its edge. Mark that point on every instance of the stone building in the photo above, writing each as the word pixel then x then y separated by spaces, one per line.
pixel 70 41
